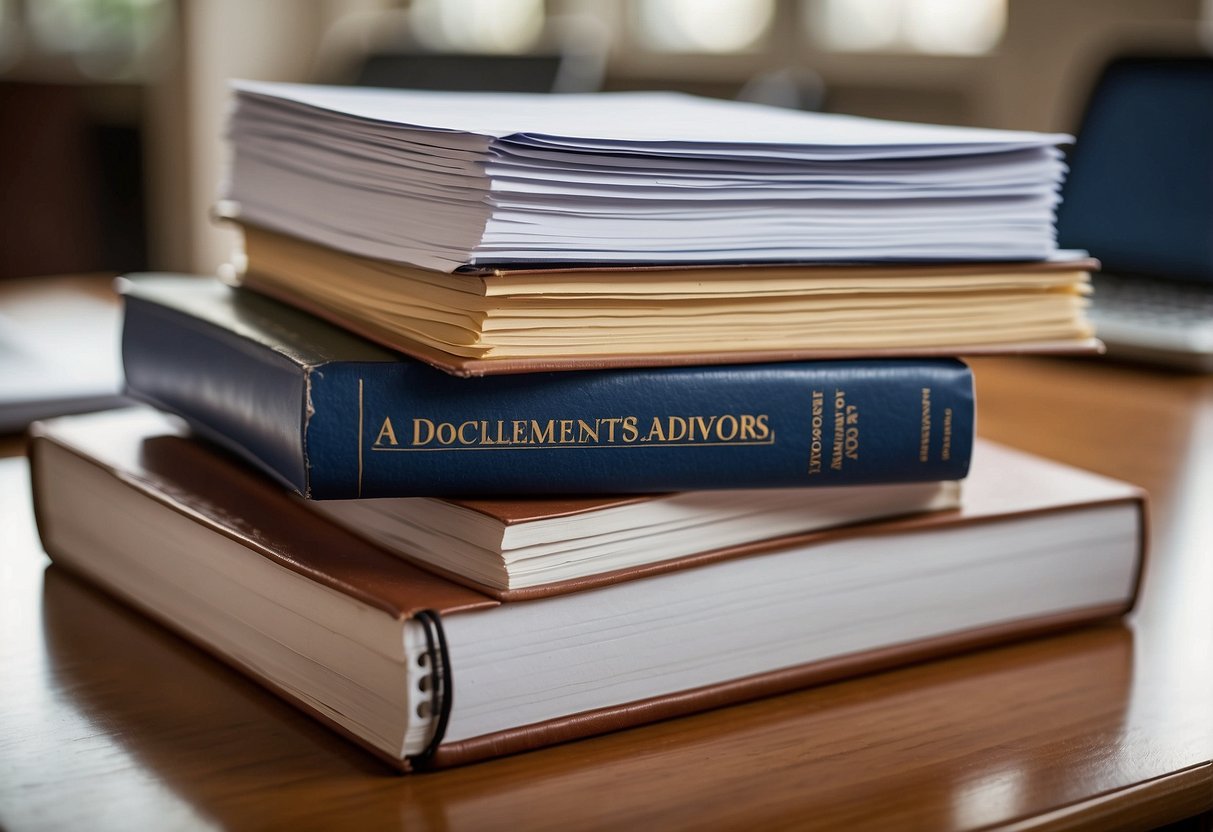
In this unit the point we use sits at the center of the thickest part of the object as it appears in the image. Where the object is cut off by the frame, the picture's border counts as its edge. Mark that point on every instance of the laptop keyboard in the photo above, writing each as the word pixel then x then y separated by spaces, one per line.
pixel 1152 302
pixel 1158 321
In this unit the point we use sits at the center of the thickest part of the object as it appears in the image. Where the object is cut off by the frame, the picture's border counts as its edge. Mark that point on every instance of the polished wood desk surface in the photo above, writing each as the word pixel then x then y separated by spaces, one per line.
pixel 107 721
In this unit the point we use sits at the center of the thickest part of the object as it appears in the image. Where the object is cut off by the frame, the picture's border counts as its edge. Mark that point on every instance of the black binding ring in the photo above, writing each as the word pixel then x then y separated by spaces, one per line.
pixel 440 670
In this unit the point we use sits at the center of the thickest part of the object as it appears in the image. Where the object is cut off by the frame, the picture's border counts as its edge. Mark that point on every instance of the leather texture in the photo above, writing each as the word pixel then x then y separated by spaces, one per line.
pixel 145 452
pixel 272 384
pixel 164 464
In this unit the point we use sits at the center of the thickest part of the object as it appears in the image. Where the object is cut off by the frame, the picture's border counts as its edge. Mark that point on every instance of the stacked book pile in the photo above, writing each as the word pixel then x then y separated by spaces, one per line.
pixel 539 417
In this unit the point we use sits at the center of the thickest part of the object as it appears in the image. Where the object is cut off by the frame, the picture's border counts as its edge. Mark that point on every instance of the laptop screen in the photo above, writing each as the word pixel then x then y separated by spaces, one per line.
pixel 1139 195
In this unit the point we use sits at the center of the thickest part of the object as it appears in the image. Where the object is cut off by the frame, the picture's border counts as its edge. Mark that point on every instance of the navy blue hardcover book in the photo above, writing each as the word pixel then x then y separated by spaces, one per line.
pixel 335 416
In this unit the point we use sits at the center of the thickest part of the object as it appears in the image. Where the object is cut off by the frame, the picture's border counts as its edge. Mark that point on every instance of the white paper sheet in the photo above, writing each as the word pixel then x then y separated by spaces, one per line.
pixel 643 118
pixel 446 179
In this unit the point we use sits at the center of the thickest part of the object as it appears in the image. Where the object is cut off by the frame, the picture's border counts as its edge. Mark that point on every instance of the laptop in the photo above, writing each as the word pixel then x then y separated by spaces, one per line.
pixel 1139 196
pixel 59 353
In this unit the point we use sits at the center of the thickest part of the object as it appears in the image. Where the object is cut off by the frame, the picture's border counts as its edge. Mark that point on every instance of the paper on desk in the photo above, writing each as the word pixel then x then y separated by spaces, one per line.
pixel 58 354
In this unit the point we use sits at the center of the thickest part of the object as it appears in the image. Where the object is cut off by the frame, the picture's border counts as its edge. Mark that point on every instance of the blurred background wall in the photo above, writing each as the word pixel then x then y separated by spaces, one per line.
pixel 111 111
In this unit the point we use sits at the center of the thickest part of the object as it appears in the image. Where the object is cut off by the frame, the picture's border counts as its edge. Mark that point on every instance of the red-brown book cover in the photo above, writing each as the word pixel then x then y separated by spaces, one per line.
pixel 1075 540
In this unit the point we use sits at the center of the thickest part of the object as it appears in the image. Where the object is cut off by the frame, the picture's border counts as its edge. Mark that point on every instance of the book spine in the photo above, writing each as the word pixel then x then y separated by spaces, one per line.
pixel 242 395
pixel 402 429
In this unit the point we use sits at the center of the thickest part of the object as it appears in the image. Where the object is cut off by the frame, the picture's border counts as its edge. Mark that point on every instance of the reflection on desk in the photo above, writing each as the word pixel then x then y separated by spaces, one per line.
pixel 88 634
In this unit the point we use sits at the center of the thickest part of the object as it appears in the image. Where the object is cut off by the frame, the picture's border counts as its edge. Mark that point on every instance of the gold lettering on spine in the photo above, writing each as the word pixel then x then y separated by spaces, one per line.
pixel 418 426
pixel 673 431
pixel 656 431
pixel 473 426
pixel 586 432
pixel 387 433
pixel 924 441
pixel 852 438
pixel 611 424
pixel 677 429
pixel 816 421
pixel 630 429
pixel 762 427
pixel 840 408
pixel 945 452
pixel 540 436
pixel 360 416
pixel 726 434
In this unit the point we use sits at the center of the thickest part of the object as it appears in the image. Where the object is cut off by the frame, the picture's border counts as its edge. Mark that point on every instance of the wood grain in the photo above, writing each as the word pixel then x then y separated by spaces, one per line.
pixel 107 721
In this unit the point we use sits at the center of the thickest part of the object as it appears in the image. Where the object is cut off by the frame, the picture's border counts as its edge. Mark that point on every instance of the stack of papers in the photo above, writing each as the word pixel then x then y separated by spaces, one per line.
pixel 453 180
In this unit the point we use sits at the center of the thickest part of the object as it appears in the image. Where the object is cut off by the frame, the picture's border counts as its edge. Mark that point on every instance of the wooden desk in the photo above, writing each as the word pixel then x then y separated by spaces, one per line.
pixel 107 721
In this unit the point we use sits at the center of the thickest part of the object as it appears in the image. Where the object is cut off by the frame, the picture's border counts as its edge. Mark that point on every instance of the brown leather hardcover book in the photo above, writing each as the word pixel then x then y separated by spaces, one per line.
pixel 515 548
pixel 427 672
pixel 522 320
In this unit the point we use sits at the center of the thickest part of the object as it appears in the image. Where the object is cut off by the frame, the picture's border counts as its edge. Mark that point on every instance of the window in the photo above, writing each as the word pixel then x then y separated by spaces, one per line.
pixel 702 25
pixel 105 38
pixel 10 36
pixel 495 26
pixel 935 27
